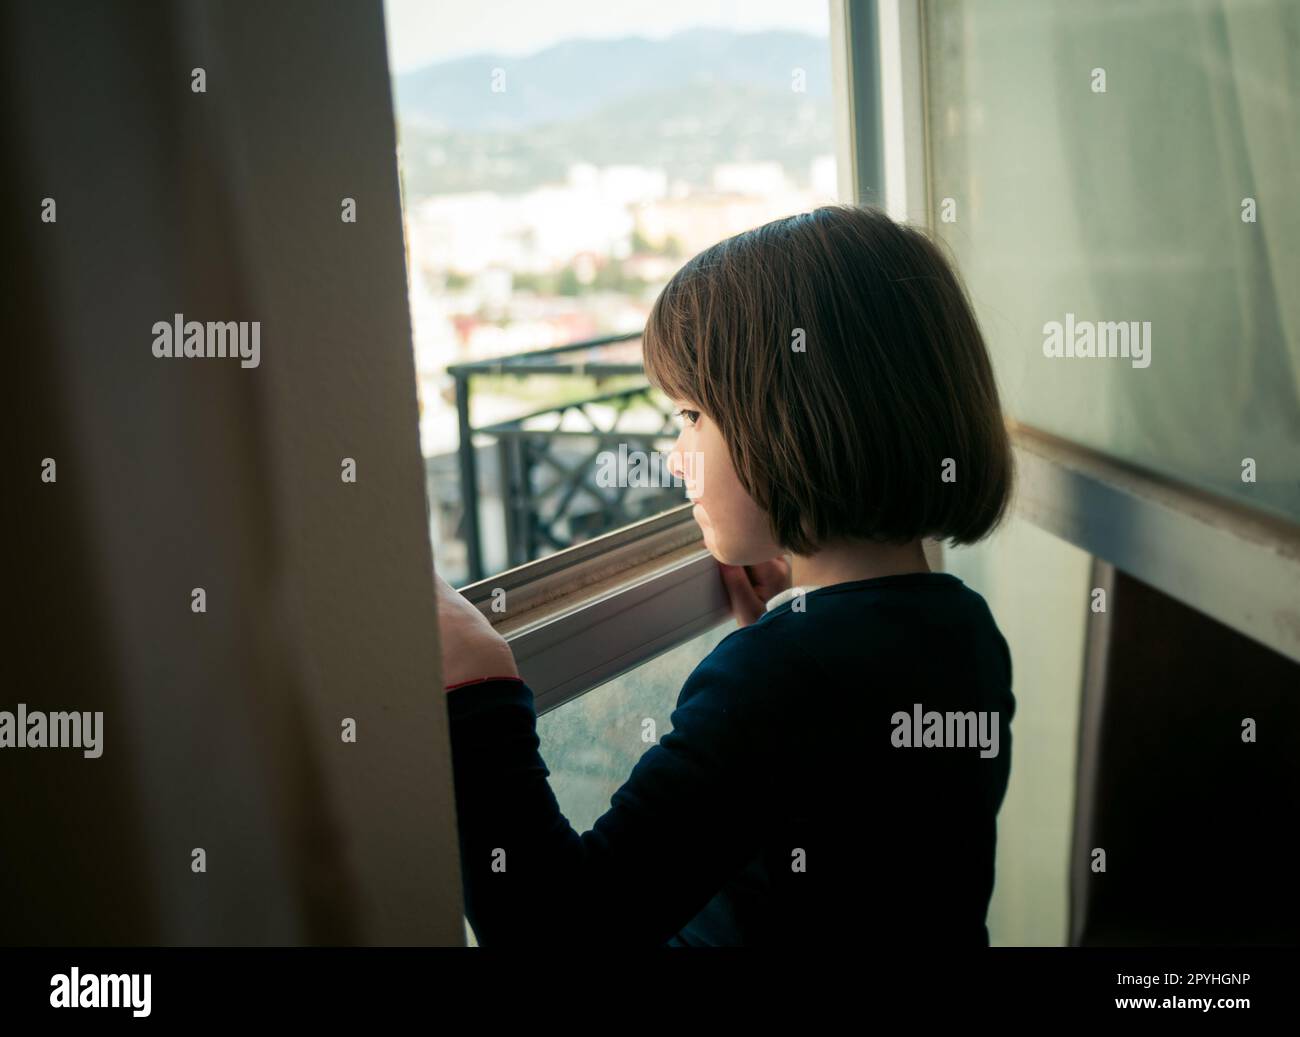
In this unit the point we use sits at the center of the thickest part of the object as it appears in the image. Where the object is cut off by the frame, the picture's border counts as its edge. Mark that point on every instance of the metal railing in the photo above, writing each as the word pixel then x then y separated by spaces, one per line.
pixel 550 496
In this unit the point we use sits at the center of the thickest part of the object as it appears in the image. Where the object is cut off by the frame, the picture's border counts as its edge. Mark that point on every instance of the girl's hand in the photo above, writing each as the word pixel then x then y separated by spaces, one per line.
pixel 751 586
pixel 470 647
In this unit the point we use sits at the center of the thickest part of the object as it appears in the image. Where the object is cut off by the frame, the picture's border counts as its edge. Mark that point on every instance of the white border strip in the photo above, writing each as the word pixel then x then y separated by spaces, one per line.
pixel 902 103
pixel 843 106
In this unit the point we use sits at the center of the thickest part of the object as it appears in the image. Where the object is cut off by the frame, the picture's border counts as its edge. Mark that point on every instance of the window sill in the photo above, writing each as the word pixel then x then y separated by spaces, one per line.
pixel 621 599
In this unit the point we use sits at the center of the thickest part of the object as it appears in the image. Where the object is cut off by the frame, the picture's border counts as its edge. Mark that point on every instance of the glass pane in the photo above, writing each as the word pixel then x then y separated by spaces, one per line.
pixel 555 174
pixel 1098 164
pixel 591 743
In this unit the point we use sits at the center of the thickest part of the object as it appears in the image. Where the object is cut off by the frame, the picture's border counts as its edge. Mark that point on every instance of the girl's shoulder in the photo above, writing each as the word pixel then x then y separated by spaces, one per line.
pixel 864 629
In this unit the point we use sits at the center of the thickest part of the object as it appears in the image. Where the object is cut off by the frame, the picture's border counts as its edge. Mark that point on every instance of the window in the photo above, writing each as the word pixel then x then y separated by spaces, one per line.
pixel 559 164
pixel 551 187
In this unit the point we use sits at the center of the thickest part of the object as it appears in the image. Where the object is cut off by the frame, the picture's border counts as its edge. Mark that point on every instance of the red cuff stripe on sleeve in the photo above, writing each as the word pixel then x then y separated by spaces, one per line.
pixel 480 680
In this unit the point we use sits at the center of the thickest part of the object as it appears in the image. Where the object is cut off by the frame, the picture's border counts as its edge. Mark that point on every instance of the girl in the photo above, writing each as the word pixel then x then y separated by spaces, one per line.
pixel 836 764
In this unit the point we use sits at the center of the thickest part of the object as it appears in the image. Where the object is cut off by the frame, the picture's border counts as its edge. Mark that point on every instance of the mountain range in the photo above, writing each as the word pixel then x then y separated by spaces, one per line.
pixel 684 104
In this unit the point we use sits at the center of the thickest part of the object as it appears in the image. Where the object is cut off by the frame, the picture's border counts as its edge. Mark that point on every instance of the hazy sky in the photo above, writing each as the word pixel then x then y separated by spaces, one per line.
pixel 422 31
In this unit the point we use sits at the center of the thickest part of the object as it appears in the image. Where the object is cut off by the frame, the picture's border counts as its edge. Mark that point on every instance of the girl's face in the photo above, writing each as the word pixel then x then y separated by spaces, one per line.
pixel 735 528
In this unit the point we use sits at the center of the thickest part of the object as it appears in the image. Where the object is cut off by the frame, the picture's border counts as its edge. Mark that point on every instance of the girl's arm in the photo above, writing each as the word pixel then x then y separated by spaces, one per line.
pixel 693 812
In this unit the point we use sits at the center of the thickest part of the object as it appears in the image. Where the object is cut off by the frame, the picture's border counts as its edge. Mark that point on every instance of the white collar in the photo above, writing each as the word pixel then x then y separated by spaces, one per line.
pixel 778 600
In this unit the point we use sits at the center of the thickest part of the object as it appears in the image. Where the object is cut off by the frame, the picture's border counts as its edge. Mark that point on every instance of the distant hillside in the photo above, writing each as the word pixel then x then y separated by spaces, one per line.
pixel 685 103
pixel 577 77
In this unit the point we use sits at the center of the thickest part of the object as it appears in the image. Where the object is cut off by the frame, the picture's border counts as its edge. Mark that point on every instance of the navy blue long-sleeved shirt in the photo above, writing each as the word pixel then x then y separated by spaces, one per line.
pixel 781 808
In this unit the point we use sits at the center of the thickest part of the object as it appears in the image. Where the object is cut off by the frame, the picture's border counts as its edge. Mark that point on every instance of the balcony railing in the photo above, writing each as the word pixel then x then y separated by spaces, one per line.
pixel 547 460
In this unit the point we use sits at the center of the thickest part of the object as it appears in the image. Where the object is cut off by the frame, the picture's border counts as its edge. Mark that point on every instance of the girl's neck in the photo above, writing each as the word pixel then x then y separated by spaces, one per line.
pixel 847 560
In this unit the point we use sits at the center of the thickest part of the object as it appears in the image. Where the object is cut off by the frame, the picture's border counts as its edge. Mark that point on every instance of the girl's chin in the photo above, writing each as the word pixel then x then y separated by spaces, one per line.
pixel 712 546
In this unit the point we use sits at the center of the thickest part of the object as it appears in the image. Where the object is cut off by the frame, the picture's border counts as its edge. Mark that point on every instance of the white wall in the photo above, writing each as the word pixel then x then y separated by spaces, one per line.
pixel 1038 590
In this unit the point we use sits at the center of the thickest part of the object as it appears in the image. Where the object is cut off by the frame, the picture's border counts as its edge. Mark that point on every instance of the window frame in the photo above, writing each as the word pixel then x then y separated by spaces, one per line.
pixel 585 615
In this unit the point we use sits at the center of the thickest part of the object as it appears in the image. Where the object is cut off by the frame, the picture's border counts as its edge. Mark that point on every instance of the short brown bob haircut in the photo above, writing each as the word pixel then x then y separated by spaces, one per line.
pixel 855 434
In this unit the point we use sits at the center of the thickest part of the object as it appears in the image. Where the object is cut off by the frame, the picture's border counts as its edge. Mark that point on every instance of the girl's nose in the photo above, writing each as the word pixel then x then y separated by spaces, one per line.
pixel 675 459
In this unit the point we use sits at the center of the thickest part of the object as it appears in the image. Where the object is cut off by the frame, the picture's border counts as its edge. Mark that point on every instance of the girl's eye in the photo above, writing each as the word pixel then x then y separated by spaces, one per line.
pixel 690 416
